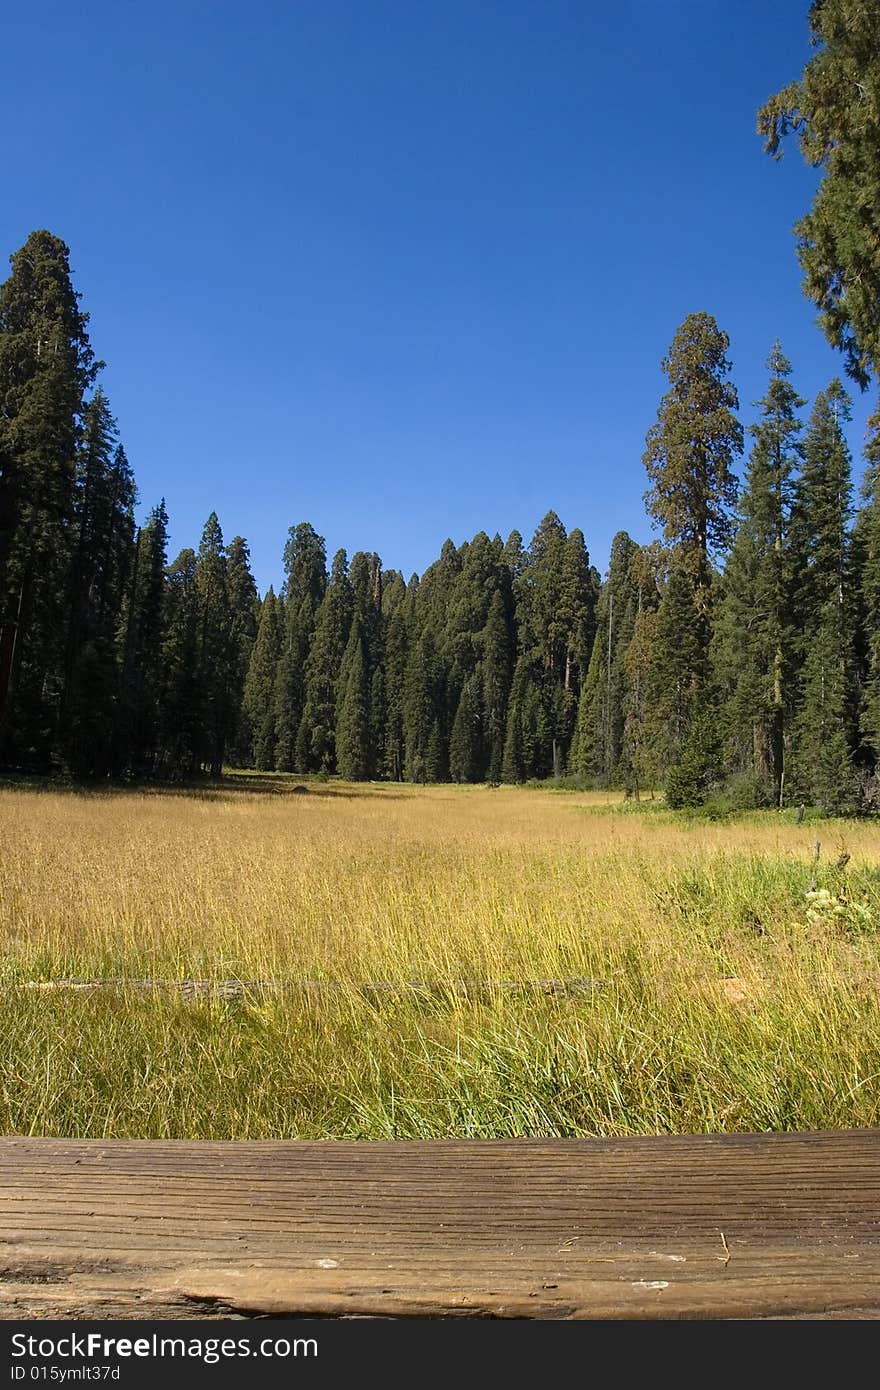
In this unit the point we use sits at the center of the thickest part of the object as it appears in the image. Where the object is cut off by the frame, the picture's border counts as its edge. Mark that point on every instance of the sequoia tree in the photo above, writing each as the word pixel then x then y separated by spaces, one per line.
pixel 689 457
pixel 691 450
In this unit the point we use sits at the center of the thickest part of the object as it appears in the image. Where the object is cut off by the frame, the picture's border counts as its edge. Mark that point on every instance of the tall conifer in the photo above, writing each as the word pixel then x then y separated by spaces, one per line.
pixel 353 720
pixel 325 659
pixel 825 721
pixel 757 616
pixel 46 367
pixel 258 703
pixel 305 583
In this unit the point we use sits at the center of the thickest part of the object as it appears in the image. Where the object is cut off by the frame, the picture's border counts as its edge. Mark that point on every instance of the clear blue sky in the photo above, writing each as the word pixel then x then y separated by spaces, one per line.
pixel 407 268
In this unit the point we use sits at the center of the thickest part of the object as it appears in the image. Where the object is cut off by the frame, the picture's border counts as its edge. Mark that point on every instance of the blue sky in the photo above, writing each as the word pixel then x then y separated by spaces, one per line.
pixel 407 268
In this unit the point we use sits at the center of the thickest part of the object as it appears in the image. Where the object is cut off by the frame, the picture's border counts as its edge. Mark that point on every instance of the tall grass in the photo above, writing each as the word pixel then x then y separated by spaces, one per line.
pixel 733 996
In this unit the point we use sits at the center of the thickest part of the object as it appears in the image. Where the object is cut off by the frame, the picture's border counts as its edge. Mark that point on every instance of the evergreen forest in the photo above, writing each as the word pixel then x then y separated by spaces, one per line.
pixel 735 657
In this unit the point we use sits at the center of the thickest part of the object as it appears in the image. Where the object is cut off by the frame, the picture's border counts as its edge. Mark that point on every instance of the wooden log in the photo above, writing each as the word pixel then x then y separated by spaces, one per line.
pixel 763 1225
pixel 236 989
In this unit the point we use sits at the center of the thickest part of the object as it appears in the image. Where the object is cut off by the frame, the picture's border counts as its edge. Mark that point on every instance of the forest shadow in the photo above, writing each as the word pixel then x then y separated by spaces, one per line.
pixel 204 789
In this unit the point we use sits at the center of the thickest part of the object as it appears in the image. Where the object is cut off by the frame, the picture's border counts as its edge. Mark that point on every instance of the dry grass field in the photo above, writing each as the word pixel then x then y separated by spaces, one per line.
pixel 731 995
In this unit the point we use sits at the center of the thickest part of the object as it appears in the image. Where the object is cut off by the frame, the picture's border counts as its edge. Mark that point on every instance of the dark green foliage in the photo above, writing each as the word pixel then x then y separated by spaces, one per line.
pixel 398 610
pixel 513 764
pixel 691 451
pixel 181 738
pixel 305 583
pixel 822 758
pixel 317 750
pixel 698 770
pixel 214 653
pixel 422 698
pixel 435 763
pixel 353 747
pixel 826 610
pixel 867 567
pixel 366 588
pixel 756 620
pixel 835 112
pixel 102 555
pixel 497 652
pixel 690 455
pixel 641 754
pixel 258 704
pixel 821 510
pixel 602 709
pixel 46 367
pixel 680 665
pixel 465 743
pixel 739 663
pixel 142 628
pixel 244 612
pixel 555 592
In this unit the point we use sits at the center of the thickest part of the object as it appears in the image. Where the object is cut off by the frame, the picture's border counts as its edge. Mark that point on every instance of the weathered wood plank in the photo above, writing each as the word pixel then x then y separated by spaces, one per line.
pixel 705 1226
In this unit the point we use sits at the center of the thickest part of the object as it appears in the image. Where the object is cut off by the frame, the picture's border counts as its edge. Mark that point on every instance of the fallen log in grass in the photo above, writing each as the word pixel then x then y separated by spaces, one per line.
pixel 237 989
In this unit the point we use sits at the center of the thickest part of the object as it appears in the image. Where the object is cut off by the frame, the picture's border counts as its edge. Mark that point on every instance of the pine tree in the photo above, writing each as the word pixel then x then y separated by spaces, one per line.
pixel 680 666
pixel 754 653
pixel 539 588
pixel 690 453
pixel 142 634
pixel 578 595
pixel 835 113
pixel 305 583
pixel 181 735
pixel 498 647
pixel 399 606
pixel 481 576
pixel 435 600
pixel 244 609
pixel 518 757
pixel 689 457
pixel 465 751
pixel 821 510
pixel 601 706
pixel 476 653
pixel 823 753
pixel 46 367
pixel 216 651
pixel 698 771
pixel 515 556
pixel 325 659
pixel 548 629
pixel 826 717
pixel 353 722
pixel 421 702
pixel 867 547
pixel 435 762
pixel 258 703
pixel 641 759
pixel 102 556
pixel 366 588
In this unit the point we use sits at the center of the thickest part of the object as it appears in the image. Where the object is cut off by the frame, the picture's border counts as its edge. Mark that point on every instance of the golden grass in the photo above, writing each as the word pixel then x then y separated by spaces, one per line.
pixel 731 999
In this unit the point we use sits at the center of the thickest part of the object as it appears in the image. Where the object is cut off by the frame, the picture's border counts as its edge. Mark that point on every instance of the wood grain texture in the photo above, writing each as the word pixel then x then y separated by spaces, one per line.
pixel 707 1226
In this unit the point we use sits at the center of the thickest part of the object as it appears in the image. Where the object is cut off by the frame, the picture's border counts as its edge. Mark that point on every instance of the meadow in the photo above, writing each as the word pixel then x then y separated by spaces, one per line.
pixel 735 980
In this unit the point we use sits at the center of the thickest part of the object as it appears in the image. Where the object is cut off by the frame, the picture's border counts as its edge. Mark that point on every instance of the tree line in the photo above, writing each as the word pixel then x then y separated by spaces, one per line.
pixel 739 655
pixel 116 661
pixel 741 650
